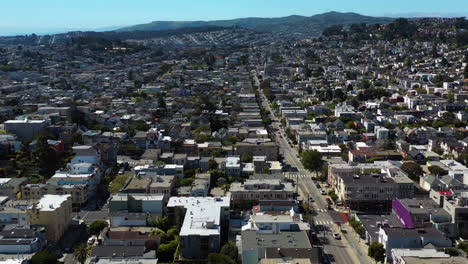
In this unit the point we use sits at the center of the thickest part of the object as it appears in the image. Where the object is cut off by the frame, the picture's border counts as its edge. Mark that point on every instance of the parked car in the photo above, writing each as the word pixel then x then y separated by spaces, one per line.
pixel 336 236
pixel 323 192
pixel 91 241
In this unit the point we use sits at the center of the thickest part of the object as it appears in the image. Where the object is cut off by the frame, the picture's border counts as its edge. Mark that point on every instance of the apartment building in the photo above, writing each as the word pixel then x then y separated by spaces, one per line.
pixel 246 194
pixel 201 230
pixel 52 212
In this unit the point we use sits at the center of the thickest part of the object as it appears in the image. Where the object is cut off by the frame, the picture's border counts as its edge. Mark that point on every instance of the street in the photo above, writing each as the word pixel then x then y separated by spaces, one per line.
pixel 335 251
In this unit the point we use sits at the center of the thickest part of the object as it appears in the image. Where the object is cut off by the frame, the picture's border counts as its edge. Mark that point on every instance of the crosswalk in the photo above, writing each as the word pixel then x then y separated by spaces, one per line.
pixel 324 222
pixel 296 175
pixel 322 210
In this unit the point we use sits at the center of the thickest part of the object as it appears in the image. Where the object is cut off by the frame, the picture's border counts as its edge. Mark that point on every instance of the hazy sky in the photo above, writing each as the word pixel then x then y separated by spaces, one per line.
pixel 43 15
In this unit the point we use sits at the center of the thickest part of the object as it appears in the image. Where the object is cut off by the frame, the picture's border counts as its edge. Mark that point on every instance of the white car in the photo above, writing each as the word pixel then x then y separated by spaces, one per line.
pixel 91 241
pixel 322 192
pixel 336 236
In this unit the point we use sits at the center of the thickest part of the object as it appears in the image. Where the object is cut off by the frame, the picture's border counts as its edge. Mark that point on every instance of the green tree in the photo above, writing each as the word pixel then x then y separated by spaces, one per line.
pixel 333 195
pixel 82 253
pixel 44 257
pixel 75 138
pixel 437 171
pixel 451 251
pixel 413 170
pixel 162 223
pixel 230 250
pixel 46 157
pixel 274 105
pixel 246 158
pixel 463 246
pixel 463 157
pixel 324 174
pixel 97 226
pixel 376 251
pixel 212 164
pixel 312 160
pixel 166 252
pixel 215 258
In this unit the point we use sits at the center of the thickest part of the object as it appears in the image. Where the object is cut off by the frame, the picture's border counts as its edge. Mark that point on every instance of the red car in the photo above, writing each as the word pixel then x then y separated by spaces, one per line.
pixel 329 207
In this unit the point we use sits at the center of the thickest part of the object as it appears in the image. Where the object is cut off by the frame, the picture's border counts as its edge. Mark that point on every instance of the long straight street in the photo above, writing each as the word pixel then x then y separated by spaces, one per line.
pixel 326 221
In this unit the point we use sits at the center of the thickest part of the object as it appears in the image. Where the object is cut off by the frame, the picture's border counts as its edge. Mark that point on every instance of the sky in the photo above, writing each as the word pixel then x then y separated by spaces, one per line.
pixel 50 16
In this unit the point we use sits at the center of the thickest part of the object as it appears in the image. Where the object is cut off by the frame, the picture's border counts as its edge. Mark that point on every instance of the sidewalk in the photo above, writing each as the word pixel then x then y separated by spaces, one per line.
pixel 359 244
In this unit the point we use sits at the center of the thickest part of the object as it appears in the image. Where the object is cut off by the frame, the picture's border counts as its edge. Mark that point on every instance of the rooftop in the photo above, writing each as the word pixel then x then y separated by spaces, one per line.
pixel 50 202
pixel 203 214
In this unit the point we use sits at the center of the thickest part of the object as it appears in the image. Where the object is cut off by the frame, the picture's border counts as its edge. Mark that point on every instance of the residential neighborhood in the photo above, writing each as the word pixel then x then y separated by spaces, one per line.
pixel 228 146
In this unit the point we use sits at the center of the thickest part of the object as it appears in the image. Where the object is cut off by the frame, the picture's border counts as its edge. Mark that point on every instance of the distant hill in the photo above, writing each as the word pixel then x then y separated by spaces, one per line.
pixel 312 25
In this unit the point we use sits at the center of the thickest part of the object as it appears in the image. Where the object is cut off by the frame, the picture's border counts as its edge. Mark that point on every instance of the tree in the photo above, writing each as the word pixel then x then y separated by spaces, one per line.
pixel 246 158
pixel 376 251
pixel 46 157
pixel 82 253
pixel 324 175
pixel 44 257
pixel 463 246
pixel 312 160
pixel 215 258
pixel 162 223
pixel 161 102
pixel 75 138
pixel 212 164
pixel 333 30
pixel 97 226
pixel 166 252
pixel 333 196
pixel 451 251
pixel 230 250
pixel 437 171
pixel 412 169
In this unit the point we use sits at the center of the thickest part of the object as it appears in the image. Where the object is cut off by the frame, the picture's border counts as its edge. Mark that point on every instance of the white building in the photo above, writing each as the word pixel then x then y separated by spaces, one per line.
pixel 201 230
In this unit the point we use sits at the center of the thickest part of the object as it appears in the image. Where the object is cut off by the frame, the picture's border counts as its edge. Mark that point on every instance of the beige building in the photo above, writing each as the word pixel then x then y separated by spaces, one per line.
pixel 258 148
pixel 369 186
pixel 78 192
pixel 252 191
pixel 54 213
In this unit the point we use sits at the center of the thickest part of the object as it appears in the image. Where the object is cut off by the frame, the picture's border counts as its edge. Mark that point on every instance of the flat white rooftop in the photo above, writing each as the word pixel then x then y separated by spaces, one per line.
pixel 203 214
pixel 50 202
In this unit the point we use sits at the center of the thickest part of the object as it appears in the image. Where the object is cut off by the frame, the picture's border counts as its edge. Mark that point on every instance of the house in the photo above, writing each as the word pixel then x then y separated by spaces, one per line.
pixel 122 254
pixel 130 236
pixel 136 203
pixel 424 255
pixel 11 187
pixel 22 240
pixel 233 166
pixel 413 238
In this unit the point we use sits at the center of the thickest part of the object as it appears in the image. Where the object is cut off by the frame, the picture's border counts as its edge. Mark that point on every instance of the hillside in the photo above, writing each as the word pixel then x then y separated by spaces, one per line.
pixel 293 24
